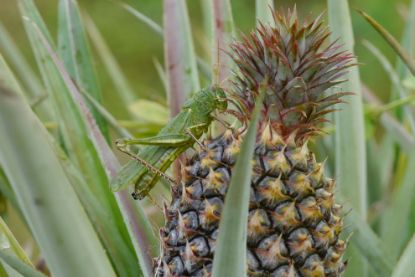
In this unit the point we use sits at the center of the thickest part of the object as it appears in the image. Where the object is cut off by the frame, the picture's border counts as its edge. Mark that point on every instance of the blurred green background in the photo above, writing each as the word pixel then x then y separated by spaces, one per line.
pixel 136 46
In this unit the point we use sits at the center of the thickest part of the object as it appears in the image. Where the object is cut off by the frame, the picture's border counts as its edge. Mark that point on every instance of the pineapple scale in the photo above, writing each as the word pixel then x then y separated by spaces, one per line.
pixel 293 224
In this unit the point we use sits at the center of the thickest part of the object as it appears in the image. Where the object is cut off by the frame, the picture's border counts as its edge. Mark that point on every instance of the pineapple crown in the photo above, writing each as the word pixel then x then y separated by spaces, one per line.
pixel 294 63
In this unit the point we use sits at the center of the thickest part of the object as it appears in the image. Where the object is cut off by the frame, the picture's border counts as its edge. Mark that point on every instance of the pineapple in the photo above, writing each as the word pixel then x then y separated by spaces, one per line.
pixel 294 223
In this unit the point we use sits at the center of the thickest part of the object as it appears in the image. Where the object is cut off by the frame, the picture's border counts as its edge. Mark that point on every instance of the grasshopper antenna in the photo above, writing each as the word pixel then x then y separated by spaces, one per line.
pixel 216 67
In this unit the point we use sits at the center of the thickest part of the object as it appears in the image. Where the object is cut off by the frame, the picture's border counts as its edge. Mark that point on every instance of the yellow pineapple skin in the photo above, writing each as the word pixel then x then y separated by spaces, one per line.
pixel 294 223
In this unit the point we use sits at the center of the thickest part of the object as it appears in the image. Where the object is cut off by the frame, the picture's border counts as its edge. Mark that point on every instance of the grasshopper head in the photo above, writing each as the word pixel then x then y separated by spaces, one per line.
pixel 221 100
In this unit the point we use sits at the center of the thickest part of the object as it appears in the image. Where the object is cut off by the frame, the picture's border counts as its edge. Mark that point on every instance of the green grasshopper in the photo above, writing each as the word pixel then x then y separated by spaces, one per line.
pixel 162 150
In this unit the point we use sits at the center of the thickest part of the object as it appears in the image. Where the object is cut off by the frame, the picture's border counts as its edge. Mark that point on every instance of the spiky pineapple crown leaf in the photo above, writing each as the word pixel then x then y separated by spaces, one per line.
pixel 295 64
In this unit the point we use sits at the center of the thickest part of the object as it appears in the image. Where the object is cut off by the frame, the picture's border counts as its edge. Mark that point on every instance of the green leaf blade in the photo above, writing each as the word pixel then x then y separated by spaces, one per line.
pixel 19 265
pixel 223 34
pixel 138 231
pixel 230 253
pixel 144 18
pixel 45 196
pixel 182 72
pixel 13 256
pixel 364 239
pixel 398 212
pixel 73 48
pixel 388 148
pixel 350 167
pixel 79 144
pixel 406 266
pixel 9 242
pixel 402 53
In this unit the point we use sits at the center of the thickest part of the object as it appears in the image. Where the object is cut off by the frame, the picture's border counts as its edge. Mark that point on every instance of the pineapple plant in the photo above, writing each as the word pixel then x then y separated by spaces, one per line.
pixel 56 160
pixel 294 223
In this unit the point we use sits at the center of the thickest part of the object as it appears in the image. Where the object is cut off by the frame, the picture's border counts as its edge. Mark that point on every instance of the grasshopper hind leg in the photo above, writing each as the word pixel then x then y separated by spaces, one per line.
pixel 136 195
pixel 143 187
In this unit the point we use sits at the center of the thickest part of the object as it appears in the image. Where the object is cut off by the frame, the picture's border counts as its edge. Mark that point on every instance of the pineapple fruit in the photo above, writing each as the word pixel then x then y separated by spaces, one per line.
pixel 294 223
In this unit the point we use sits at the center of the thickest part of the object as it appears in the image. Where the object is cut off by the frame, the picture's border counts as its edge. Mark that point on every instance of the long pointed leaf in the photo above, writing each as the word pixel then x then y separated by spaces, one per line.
pixel 19 265
pixel 369 245
pixel 145 19
pixel 124 89
pixel 11 247
pixel 9 243
pixel 74 50
pixel 182 74
pixel 45 196
pixel 223 33
pixel 406 265
pixel 399 210
pixel 180 58
pixel 350 147
pixel 141 234
pixel 8 78
pixel 408 44
pixel 230 253
pixel 220 35
pixel 112 166
pixel 79 146
pixel 388 159
pixel 391 218
pixel 207 13
pixel 402 53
